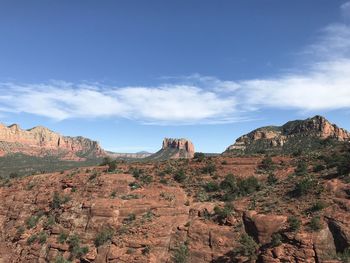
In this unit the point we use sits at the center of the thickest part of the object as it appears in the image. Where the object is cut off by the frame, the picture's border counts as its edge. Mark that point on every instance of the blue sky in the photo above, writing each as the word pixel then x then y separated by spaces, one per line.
pixel 128 73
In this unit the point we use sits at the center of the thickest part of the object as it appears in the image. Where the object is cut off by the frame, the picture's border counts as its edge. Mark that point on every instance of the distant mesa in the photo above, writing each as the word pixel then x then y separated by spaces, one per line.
pixel 295 135
pixel 138 155
pixel 40 141
pixel 174 149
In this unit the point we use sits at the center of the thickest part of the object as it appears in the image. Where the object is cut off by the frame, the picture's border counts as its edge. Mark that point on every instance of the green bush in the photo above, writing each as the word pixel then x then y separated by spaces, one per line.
pixel 294 223
pixel 211 187
pixel 276 240
pixel 301 168
pixel 210 168
pixel 319 205
pixel 198 156
pixel 304 186
pixel 248 247
pixel 223 213
pixel 238 187
pixel 61 259
pixel 180 176
pixel 32 221
pixel 58 200
pixel 180 254
pixel 104 236
pixel 74 247
pixel 318 168
pixel 315 223
pixel 42 237
pixel 62 237
pixel 131 217
pixel 272 179
pixel 267 164
pixel 32 239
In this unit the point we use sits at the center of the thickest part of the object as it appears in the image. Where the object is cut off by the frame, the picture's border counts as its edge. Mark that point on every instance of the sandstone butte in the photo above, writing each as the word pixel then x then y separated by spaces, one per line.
pixel 145 212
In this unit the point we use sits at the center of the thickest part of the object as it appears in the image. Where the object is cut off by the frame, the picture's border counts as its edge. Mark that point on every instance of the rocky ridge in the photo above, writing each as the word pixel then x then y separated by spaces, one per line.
pixel 294 135
pixel 40 141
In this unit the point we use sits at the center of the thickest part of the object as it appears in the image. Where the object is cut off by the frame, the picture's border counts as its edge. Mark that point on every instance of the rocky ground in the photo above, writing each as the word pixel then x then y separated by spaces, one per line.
pixel 284 209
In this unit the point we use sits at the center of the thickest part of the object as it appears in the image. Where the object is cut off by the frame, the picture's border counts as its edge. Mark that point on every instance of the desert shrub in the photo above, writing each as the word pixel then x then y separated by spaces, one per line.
pixel 238 187
pixel 318 168
pixel 58 200
pixel 32 239
pixel 304 186
pixel 62 237
pixel 146 250
pixel 104 236
pixel 223 213
pixel 301 168
pixel 294 223
pixel 42 237
pixel 130 218
pixel 32 221
pixel 112 166
pixel 146 179
pixel 49 222
pixel 345 255
pixel 136 173
pixel 248 185
pixel 134 185
pixel 210 168
pixel 224 162
pixel 276 240
pixel 267 164
pixel 106 161
pixel 318 205
pixel 180 176
pixel 315 223
pixel 130 196
pixel 74 247
pixel 248 247
pixel 202 196
pixel 272 179
pixel 163 181
pixel 61 259
pixel 198 156
pixel 114 194
pixel 180 254
pixel 211 187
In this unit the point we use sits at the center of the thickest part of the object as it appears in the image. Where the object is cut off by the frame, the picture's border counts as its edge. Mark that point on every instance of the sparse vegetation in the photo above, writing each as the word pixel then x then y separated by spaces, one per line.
pixel 180 176
pixel 315 223
pixel 248 247
pixel 74 247
pixel 180 254
pixel 58 200
pixel 104 236
pixel 198 156
pixel 223 213
pixel 294 223
pixel 304 186
pixel 267 164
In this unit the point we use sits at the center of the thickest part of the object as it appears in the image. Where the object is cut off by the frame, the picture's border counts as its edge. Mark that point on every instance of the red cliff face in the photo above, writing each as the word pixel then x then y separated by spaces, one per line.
pixel 40 141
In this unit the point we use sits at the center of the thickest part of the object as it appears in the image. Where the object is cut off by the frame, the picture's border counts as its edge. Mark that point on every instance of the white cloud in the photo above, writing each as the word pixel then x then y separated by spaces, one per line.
pixel 164 104
pixel 323 85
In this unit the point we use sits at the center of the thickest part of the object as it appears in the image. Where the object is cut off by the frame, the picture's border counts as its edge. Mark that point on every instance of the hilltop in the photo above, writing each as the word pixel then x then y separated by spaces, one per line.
pixel 307 135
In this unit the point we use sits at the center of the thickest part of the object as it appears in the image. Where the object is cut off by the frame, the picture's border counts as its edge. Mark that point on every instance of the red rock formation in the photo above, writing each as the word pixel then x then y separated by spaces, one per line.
pixel 40 141
pixel 277 136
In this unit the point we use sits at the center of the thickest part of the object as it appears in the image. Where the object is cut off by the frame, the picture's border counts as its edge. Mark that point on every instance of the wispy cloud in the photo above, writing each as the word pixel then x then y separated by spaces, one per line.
pixel 323 85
